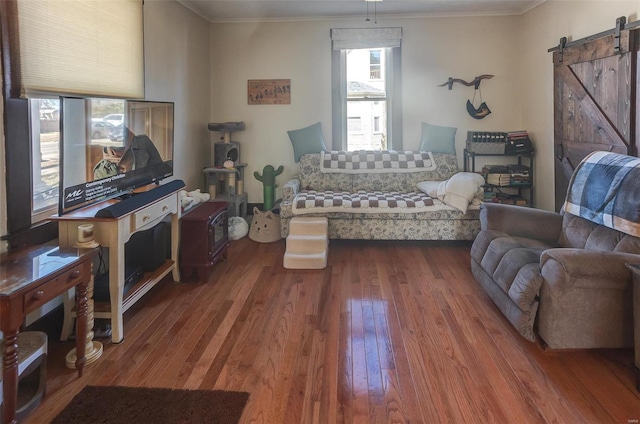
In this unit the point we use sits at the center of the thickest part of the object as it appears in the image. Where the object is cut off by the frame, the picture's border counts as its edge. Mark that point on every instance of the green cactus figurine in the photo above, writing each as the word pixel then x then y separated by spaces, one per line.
pixel 268 179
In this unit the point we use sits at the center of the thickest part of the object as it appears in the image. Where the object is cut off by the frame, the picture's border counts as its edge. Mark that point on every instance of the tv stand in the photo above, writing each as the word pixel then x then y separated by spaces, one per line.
pixel 114 232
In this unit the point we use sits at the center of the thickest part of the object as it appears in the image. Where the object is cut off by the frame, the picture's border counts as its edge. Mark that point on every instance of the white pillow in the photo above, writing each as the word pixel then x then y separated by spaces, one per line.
pixel 459 190
pixel 429 187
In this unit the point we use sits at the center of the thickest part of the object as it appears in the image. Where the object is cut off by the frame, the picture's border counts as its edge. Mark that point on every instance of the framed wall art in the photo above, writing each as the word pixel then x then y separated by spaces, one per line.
pixel 269 92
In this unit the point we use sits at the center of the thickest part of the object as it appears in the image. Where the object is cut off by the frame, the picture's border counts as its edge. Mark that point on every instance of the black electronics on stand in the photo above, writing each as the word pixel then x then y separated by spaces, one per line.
pixel 145 251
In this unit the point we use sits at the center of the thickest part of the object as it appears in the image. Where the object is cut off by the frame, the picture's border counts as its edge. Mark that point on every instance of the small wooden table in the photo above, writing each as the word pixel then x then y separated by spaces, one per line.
pixel 28 281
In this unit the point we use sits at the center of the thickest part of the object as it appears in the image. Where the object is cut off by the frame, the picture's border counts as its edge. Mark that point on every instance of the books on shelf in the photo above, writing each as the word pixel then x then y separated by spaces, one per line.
pixel 504 198
pixel 506 175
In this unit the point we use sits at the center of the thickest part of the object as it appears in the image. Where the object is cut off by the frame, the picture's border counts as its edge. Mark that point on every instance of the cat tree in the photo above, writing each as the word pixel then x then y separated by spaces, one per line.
pixel 221 177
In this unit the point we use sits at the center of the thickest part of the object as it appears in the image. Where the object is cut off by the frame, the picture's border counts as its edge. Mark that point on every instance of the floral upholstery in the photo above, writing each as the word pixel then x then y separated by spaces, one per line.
pixel 441 222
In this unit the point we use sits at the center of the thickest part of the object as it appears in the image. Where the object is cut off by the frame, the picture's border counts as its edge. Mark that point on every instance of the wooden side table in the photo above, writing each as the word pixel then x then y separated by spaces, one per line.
pixel 28 281
pixel 635 269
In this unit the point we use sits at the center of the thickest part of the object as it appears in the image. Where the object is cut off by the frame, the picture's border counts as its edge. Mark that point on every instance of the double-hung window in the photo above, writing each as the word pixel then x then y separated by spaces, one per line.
pixel 53 48
pixel 366 83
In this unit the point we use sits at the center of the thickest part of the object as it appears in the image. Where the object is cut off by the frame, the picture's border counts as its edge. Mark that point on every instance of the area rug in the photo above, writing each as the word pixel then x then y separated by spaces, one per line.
pixel 141 405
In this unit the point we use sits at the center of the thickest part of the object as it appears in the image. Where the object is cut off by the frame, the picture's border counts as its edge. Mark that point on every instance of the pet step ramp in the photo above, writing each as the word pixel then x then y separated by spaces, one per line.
pixel 305 260
pixel 307 244
pixel 309 226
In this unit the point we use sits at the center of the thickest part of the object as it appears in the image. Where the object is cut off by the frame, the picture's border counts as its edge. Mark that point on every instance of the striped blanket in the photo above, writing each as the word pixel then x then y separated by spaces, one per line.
pixel 605 189
pixel 375 161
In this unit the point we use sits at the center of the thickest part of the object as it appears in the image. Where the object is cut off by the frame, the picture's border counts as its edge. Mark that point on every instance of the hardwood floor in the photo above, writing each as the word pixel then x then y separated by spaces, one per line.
pixel 389 332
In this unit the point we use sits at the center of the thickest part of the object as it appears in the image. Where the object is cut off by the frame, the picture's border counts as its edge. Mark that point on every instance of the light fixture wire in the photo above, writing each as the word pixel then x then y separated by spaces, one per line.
pixel 375 10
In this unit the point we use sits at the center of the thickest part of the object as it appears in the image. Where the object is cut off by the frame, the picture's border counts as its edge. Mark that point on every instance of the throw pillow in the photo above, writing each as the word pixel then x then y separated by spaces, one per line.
pixel 437 139
pixel 459 190
pixel 307 140
pixel 429 187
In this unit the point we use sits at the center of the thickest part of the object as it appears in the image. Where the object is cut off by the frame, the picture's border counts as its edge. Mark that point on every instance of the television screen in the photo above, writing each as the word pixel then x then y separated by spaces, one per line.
pixel 111 147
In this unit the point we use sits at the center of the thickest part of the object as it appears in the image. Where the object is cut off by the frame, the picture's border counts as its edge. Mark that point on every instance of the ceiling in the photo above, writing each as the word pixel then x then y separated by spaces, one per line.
pixel 266 10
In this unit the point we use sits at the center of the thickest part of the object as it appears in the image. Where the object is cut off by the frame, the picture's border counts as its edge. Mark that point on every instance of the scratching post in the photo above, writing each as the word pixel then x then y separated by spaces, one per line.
pixel 227 149
pixel 268 179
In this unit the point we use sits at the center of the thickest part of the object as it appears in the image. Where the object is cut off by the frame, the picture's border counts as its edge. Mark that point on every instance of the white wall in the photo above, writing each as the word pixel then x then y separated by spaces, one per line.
pixel 512 48
pixel 542 29
pixel 432 51
pixel 176 48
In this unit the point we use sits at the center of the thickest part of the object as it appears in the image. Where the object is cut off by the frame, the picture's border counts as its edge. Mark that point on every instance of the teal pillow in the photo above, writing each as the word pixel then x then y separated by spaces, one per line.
pixel 437 139
pixel 307 140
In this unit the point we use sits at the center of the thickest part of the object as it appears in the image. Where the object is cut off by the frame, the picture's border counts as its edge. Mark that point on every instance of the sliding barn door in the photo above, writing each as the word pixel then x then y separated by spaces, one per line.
pixel 595 97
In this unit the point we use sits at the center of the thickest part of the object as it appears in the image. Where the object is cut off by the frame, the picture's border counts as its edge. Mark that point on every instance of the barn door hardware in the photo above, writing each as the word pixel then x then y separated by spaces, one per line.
pixel 620 22
pixel 621 25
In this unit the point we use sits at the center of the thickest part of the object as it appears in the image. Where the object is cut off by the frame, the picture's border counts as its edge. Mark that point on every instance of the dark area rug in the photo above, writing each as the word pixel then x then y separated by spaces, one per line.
pixel 141 405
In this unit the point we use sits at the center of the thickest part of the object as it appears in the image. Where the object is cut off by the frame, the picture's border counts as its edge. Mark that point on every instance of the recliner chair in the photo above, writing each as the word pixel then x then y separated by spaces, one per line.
pixel 564 274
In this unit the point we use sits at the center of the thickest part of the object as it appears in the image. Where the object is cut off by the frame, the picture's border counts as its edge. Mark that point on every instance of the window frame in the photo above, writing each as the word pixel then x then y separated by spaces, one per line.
pixel 20 231
pixel 393 63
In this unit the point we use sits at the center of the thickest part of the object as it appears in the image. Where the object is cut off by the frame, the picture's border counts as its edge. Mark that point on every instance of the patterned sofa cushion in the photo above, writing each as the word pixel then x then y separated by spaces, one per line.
pixel 312 178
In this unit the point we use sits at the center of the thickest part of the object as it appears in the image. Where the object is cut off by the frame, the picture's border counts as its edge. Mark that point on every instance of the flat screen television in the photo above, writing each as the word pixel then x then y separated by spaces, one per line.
pixel 111 148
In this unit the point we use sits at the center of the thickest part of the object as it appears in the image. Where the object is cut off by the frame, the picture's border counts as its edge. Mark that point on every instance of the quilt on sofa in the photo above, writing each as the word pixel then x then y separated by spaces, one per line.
pixel 437 221
pixel 375 161
pixel 312 201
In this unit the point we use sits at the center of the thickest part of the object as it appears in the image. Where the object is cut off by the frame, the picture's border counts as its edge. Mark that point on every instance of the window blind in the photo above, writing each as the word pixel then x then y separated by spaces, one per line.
pixel 365 38
pixel 74 47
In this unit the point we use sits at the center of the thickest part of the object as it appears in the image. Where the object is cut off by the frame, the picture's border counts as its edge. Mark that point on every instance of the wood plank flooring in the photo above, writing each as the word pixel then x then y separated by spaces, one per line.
pixel 389 332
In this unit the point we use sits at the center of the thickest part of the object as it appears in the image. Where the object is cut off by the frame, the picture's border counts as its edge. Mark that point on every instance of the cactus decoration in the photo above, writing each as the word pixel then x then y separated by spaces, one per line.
pixel 268 179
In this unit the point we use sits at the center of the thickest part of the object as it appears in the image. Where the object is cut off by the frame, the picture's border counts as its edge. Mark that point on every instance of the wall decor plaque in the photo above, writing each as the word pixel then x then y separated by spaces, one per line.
pixel 269 92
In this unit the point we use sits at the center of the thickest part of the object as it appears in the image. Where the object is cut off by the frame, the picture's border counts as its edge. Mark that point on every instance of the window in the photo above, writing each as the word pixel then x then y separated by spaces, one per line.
pixel 354 124
pixel 40 61
pixel 375 71
pixel 366 89
pixel 366 98
pixel 45 156
pixel 104 129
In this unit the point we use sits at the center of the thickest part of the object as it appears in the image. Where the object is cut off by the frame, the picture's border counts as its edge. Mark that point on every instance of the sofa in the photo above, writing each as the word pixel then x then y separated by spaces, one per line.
pixel 308 194
pixel 562 276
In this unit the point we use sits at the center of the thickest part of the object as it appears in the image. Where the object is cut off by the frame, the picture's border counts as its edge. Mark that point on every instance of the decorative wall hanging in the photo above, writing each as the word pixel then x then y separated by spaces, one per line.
pixel 482 110
pixel 269 92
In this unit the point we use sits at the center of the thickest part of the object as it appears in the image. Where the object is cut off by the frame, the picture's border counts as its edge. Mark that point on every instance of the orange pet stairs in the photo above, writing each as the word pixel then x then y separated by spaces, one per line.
pixel 307 243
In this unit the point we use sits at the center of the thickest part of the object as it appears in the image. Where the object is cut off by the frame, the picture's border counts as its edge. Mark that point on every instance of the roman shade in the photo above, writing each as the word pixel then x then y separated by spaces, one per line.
pixel 365 38
pixel 70 47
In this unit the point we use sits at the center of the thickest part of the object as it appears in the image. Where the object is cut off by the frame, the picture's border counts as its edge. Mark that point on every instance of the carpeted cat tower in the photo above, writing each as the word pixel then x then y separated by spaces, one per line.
pixel 307 243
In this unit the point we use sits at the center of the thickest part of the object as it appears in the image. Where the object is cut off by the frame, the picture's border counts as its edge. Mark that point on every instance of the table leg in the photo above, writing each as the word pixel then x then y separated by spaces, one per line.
pixel 81 324
pixel 116 287
pixel 10 376
pixel 175 245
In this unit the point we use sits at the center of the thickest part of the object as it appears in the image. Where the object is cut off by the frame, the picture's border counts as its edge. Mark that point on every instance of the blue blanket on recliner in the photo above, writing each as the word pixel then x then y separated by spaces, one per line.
pixel 605 189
